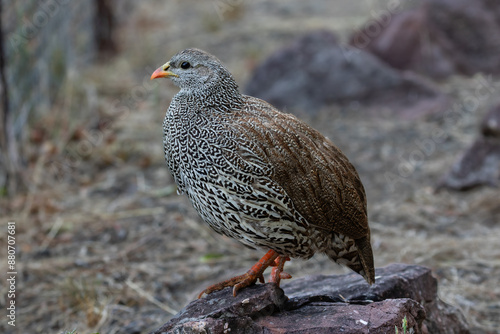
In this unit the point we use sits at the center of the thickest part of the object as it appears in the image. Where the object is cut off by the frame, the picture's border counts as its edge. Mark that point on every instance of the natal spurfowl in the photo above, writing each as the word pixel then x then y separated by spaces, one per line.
pixel 259 175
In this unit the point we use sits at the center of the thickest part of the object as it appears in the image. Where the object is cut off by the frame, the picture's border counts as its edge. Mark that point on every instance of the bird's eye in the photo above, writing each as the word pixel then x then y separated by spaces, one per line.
pixel 185 65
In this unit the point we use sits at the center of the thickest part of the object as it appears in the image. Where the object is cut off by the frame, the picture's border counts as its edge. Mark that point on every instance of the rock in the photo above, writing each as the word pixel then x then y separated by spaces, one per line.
pixel 439 38
pixel 316 71
pixel 326 304
pixel 472 29
pixel 479 165
pixel 397 42
pixel 220 311
pixel 326 317
pixel 490 127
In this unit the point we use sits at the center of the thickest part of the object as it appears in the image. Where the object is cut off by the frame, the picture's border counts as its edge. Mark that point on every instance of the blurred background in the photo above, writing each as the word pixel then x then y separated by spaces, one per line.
pixel 407 89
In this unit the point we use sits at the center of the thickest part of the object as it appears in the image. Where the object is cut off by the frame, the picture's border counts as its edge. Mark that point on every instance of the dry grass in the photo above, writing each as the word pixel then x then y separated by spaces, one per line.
pixel 105 244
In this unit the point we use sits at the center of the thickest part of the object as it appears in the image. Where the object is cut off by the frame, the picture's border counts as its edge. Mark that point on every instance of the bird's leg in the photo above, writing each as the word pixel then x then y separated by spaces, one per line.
pixel 249 278
pixel 277 273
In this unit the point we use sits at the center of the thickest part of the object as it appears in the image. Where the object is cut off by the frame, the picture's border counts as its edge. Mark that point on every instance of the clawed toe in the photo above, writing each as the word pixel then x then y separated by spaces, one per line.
pixel 277 274
pixel 237 283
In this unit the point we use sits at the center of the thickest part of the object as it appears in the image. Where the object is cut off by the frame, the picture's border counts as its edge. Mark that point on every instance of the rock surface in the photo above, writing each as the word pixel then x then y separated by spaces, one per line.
pixel 490 127
pixel 438 38
pixel 316 70
pixel 480 164
pixel 326 304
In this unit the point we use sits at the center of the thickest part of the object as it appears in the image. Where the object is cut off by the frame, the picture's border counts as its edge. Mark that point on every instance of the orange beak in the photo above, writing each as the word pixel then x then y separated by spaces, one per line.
pixel 163 72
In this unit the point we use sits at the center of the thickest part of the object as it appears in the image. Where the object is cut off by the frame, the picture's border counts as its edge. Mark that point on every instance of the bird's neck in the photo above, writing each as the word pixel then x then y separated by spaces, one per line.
pixel 217 98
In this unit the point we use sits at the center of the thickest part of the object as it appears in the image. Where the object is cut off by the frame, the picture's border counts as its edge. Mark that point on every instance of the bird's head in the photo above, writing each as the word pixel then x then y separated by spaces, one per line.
pixel 195 70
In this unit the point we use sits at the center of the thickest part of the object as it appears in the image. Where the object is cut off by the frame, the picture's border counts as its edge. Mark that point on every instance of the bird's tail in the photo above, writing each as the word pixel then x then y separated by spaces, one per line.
pixel 355 254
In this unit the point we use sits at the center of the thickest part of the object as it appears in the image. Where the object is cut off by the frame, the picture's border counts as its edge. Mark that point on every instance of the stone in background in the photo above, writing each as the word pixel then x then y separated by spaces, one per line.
pixel 316 71
pixel 437 38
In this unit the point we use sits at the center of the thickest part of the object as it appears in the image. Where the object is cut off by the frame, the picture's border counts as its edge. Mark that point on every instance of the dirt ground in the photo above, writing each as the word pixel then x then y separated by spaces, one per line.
pixel 104 243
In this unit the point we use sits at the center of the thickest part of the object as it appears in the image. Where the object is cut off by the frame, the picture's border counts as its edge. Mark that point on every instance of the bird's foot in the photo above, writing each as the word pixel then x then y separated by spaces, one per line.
pixel 249 278
pixel 237 283
pixel 277 273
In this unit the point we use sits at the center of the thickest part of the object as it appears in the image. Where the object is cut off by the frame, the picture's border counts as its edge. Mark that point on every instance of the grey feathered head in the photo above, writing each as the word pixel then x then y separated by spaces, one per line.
pixel 194 69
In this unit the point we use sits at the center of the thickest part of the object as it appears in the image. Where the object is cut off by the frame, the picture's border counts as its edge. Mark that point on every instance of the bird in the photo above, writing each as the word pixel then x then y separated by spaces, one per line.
pixel 259 175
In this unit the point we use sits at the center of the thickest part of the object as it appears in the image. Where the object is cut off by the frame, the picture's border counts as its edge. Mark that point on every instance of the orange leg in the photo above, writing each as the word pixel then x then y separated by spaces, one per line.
pixel 249 278
pixel 277 273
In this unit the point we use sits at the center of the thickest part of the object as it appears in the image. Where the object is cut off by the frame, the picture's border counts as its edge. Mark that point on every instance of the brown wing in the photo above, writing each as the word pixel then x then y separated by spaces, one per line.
pixel 319 179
